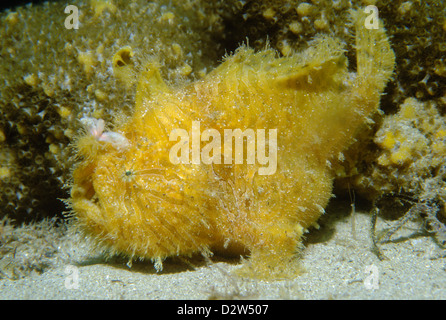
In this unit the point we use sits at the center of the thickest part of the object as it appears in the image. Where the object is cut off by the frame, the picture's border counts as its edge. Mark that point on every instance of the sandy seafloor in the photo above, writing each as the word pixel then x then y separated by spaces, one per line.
pixel 338 266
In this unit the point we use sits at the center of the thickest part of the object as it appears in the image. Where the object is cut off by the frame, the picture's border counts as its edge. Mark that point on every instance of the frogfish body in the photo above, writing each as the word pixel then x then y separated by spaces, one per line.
pixel 239 159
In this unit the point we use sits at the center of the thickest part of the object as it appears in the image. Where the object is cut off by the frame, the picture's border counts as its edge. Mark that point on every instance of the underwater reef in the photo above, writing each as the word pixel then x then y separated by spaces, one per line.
pixel 51 77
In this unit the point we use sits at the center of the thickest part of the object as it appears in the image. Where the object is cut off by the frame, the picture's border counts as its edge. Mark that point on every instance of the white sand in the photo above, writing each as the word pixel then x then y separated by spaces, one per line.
pixel 336 268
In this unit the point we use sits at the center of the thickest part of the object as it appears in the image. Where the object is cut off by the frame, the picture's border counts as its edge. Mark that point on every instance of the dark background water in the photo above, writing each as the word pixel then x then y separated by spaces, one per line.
pixel 10 4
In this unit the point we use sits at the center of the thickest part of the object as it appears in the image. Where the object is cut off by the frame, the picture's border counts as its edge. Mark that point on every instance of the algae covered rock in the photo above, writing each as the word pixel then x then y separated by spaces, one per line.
pixel 53 74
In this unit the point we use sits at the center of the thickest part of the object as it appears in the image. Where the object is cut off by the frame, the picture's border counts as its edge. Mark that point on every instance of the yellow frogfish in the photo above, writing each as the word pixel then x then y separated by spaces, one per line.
pixel 239 160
